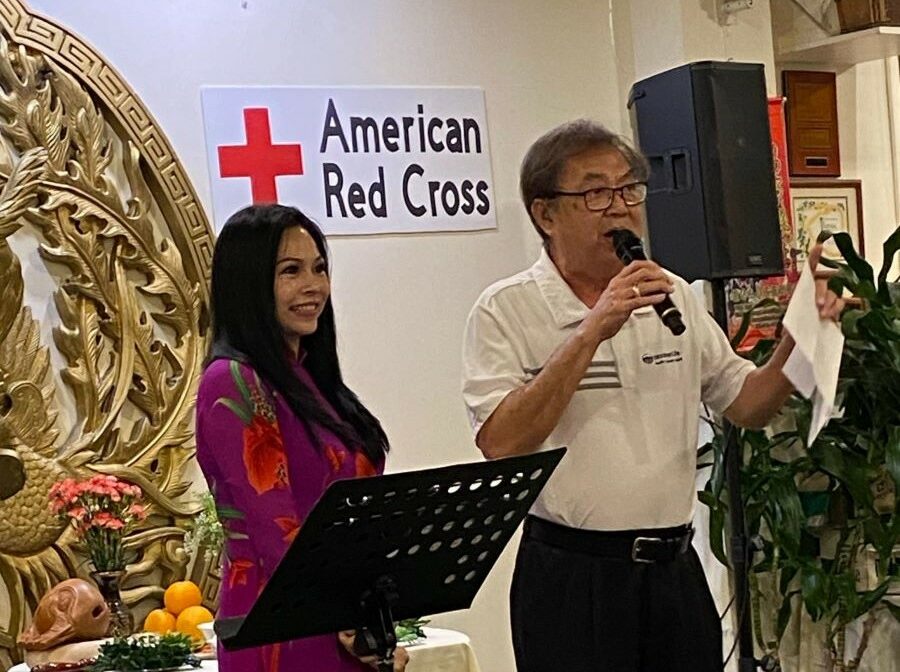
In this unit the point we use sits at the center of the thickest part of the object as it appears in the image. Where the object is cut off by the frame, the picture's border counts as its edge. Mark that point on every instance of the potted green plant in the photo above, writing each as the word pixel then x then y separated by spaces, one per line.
pixel 819 513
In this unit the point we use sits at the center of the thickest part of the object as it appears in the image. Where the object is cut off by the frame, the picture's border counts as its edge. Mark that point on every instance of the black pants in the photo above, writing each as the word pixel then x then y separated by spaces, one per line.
pixel 574 611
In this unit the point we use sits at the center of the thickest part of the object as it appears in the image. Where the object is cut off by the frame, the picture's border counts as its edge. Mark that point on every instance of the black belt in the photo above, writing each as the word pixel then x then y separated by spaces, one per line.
pixel 655 545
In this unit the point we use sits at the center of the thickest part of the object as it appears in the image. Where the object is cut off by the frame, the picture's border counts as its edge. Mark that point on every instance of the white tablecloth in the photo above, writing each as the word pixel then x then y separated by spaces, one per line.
pixel 441 651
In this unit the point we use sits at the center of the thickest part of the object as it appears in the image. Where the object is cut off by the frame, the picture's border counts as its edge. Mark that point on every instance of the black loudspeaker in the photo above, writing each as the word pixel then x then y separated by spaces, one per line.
pixel 712 208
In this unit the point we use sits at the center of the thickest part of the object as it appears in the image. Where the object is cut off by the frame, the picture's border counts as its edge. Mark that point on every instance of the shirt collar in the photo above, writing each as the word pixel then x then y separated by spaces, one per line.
pixel 566 308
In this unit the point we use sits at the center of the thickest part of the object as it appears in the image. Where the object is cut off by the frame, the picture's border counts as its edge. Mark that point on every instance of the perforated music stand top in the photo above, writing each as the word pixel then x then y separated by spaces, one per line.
pixel 436 533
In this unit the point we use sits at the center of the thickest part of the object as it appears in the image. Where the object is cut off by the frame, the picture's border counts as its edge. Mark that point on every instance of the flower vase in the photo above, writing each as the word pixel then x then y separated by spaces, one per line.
pixel 121 620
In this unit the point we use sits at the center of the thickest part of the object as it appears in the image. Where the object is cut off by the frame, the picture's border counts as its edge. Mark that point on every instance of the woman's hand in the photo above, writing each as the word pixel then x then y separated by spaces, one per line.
pixel 401 657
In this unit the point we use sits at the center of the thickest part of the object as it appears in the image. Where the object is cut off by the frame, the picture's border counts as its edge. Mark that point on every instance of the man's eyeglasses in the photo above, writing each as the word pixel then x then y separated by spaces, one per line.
pixel 599 199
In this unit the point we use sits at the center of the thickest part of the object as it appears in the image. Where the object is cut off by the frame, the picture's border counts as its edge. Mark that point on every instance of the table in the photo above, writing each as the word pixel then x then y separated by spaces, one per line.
pixel 207 665
pixel 441 651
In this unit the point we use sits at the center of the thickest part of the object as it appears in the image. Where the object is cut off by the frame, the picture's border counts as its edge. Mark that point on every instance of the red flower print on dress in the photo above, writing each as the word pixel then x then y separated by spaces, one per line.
pixel 364 466
pixel 289 527
pixel 273 653
pixel 264 456
pixel 237 572
pixel 335 457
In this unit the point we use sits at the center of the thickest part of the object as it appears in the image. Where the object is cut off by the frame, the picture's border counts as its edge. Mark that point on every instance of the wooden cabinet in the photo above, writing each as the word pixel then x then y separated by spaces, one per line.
pixel 812 127
pixel 860 14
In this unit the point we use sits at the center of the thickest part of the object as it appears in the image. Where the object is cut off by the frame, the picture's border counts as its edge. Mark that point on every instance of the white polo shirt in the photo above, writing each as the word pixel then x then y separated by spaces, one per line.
pixel 631 428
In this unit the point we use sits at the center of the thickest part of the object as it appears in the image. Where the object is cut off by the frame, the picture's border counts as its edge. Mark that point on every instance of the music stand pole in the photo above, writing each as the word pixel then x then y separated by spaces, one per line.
pixel 377 635
pixel 740 550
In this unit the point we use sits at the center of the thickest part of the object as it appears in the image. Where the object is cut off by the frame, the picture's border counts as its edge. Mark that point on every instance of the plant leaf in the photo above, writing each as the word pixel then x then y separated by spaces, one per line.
pixel 859 266
pixel 716 525
pixel 892 459
pixel 890 249
pixel 744 327
pixel 784 614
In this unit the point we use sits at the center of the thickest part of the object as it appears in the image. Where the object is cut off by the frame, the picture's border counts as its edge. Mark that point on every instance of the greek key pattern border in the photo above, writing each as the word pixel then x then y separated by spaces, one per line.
pixel 123 103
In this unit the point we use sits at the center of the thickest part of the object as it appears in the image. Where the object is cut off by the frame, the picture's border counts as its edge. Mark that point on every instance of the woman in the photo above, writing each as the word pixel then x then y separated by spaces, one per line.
pixel 275 422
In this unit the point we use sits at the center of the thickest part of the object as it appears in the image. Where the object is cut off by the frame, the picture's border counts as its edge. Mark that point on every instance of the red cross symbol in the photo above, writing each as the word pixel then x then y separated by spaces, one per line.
pixel 259 159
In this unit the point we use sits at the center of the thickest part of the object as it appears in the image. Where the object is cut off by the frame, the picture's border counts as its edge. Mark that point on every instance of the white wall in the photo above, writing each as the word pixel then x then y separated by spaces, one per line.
pixel 401 301
pixel 864 123
pixel 671 33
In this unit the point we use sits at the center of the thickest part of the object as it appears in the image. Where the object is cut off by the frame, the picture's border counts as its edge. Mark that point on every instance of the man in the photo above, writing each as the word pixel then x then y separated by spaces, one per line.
pixel 571 353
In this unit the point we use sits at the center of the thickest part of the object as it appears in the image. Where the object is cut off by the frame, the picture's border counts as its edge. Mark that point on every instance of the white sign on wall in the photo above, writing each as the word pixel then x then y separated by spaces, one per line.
pixel 357 160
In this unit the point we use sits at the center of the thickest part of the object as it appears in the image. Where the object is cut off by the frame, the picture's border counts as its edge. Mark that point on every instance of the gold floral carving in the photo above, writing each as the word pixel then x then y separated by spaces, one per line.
pixel 86 171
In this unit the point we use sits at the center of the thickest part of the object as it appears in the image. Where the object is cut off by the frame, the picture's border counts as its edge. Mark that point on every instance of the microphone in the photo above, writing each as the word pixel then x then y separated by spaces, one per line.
pixel 629 248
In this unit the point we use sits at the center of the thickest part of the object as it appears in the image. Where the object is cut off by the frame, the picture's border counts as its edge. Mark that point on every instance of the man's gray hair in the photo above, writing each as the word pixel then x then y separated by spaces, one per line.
pixel 546 158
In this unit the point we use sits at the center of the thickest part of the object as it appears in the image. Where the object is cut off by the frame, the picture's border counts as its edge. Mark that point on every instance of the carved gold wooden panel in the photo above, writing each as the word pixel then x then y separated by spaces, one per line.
pixel 86 171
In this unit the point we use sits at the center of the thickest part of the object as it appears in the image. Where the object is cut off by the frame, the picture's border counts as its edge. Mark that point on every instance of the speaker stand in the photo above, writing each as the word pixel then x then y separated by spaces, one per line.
pixel 740 555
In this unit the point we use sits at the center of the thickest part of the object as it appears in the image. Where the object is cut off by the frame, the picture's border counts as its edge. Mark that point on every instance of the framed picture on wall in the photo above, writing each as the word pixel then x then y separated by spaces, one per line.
pixel 826 205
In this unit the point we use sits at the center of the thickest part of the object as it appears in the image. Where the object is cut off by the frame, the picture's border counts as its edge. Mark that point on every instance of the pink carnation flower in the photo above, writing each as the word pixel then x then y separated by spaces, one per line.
pixel 77 513
pixel 138 511
pixel 109 521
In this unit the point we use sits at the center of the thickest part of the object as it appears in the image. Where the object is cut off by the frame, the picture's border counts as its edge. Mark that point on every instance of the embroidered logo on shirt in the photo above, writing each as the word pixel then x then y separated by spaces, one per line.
pixel 662 358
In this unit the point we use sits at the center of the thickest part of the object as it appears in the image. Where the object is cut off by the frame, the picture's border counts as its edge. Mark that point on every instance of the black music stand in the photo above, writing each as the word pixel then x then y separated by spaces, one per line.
pixel 376 550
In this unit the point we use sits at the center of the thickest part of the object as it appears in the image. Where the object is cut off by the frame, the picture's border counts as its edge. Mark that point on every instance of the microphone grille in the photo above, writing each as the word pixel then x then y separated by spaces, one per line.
pixel 627 245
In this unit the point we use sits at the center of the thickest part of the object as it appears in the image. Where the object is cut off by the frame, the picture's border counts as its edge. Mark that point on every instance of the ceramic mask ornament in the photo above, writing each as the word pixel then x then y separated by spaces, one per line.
pixel 71 611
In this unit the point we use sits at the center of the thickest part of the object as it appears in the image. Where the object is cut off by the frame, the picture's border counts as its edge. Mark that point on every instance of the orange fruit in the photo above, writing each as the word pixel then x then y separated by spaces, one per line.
pixel 190 618
pixel 159 621
pixel 181 595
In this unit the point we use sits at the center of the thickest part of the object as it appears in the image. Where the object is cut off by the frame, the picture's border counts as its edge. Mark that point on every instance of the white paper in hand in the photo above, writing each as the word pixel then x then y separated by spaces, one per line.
pixel 814 364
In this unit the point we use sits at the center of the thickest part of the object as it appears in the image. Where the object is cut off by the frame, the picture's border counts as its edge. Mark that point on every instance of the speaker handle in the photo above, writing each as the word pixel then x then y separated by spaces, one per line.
pixel 636 93
pixel 670 172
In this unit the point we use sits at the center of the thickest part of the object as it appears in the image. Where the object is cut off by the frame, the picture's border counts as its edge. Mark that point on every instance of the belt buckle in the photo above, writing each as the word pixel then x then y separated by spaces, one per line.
pixel 636 549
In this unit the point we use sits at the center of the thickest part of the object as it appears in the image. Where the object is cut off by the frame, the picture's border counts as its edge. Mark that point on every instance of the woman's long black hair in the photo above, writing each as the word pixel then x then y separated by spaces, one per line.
pixel 244 326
